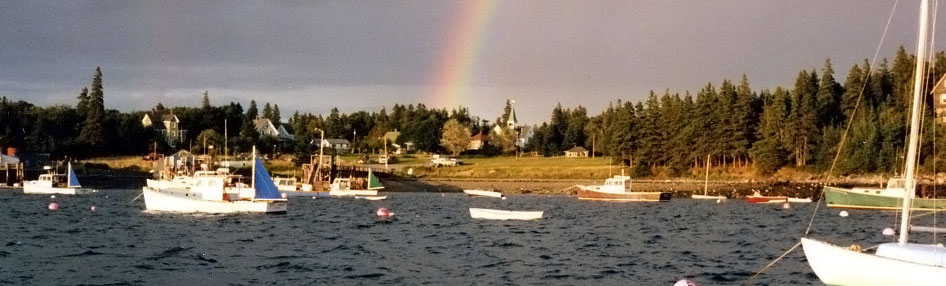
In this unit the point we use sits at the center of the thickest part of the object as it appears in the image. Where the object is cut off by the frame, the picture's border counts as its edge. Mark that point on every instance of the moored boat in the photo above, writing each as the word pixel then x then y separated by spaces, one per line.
pixel 219 194
pixel 52 183
pixel 618 189
pixel 479 213
pixel 757 198
pixel 342 187
pixel 887 198
pixel 483 193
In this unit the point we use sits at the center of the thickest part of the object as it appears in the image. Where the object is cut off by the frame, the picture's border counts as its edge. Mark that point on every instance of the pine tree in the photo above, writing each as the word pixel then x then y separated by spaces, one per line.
pixel 829 97
pixel 205 102
pixel 268 111
pixel 276 118
pixel 83 105
pixel 93 134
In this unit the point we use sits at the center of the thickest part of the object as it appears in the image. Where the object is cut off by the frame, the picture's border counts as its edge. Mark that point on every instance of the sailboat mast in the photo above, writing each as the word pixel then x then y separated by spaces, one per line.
pixel 706 180
pixel 918 82
pixel 253 175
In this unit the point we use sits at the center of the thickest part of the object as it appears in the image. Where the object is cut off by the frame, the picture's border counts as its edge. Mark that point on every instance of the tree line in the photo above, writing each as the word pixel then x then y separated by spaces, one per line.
pixel 731 123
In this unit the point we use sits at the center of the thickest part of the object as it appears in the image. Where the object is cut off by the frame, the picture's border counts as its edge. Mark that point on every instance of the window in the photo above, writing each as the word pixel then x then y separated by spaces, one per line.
pixel 942 98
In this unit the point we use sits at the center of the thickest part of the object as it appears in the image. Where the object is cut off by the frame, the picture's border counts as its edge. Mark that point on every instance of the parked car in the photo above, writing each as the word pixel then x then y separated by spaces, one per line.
pixel 444 162
pixel 152 156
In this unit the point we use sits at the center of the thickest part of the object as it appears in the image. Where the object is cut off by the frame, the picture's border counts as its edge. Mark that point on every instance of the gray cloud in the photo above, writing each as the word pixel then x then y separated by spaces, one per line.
pixel 312 56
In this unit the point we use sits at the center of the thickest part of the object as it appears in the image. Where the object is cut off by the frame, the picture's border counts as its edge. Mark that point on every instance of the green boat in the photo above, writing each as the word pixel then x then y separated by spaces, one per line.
pixel 889 198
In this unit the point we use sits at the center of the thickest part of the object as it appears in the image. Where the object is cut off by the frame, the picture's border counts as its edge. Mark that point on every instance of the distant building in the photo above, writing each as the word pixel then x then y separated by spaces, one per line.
pixel 523 133
pixel 577 152
pixel 169 130
pixel 266 128
pixel 340 145
pixel 478 142
pixel 391 138
pixel 939 100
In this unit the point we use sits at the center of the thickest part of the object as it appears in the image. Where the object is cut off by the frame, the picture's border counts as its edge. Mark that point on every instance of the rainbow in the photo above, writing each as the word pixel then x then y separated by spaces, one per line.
pixel 453 72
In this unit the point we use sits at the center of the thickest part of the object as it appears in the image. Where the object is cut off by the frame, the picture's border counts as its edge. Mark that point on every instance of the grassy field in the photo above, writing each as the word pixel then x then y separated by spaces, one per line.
pixel 473 168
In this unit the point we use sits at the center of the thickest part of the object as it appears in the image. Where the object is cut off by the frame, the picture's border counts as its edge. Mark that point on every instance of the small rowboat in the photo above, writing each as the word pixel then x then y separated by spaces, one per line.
pixel 757 198
pixel 371 198
pixel 504 215
pixel 483 193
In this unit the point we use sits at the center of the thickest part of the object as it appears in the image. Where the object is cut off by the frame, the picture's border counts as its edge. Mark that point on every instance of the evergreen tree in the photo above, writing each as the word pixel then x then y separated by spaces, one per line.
pixel 93 133
pixel 276 118
pixel 268 111
pixel 853 88
pixel 83 105
pixel 829 97
pixel 205 102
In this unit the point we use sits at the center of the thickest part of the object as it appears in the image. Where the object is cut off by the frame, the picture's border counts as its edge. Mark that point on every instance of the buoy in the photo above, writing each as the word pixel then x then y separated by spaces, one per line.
pixel 889 232
pixel 504 198
pixel 843 214
pixel 684 282
pixel 53 206
pixel 52 197
pixel 383 212
pixel 93 208
pixel 786 206
pixel 283 195
pixel 718 201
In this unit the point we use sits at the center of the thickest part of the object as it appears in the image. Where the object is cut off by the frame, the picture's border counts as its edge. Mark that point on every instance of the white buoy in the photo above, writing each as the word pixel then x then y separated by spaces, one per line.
pixel 684 282
pixel 93 208
pixel 719 201
pixel 283 195
pixel 786 206
pixel 503 198
pixel 52 196
pixel 843 214
pixel 889 232
pixel 53 206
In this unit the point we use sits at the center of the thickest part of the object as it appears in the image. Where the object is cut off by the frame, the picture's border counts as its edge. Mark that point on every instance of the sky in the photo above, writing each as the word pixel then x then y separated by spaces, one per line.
pixel 311 56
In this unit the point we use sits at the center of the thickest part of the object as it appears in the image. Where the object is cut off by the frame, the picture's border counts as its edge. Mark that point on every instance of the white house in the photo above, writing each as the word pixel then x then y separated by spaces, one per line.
pixel 577 152
pixel 266 128
pixel 340 145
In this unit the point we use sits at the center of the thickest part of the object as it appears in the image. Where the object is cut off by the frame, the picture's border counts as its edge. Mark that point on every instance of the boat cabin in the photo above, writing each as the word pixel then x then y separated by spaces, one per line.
pixel 618 184
pixel 341 184
pixel 52 180
pixel 285 184
pixel 895 188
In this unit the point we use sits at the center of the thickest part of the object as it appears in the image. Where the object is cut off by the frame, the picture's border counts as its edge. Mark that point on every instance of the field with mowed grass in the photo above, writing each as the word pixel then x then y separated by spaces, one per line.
pixel 523 168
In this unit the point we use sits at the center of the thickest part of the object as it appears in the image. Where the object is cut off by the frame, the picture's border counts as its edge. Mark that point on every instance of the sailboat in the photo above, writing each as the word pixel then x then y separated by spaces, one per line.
pixel 342 187
pixel 896 263
pixel 705 195
pixel 220 194
pixel 52 183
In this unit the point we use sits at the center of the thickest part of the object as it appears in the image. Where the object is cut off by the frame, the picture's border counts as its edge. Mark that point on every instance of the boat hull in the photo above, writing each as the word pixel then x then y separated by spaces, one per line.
pixel 845 198
pixel 591 195
pixel 841 266
pixel 31 188
pixel 304 194
pixel 766 200
pixel 482 193
pixel 352 193
pixel 478 213
pixel 705 197
pixel 188 202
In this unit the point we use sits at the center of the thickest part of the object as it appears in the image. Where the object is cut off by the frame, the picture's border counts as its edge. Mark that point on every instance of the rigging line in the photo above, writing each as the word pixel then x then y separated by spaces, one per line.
pixel 770 264
pixel 847 129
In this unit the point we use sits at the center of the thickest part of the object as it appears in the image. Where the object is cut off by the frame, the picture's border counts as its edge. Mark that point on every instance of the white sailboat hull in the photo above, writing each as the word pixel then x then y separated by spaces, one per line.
pixel 166 200
pixel 840 266
pixel 504 215
pixel 352 193
pixel 34 187
pixel 483 193
pixel 706 197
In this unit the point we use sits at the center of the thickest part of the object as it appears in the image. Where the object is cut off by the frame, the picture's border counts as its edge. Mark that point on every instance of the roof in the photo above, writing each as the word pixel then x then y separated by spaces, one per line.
pixel 5 160
pixel 261 123
pixel 577 149
pixel 392 135
pixel 170 117
pixel 481 137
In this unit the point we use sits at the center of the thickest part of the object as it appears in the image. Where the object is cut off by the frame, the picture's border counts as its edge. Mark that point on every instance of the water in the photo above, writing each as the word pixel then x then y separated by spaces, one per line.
pixel 430 240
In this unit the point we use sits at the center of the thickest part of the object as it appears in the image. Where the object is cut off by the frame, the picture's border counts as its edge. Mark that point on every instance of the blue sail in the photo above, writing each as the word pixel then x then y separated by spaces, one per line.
pixel 73 179
pixel 265 189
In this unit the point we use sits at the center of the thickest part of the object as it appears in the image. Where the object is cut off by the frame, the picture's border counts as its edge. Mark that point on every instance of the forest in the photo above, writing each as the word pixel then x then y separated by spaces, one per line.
pixel 800 126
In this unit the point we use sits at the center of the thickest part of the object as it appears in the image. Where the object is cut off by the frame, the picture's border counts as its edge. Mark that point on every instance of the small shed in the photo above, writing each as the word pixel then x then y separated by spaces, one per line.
pixel 577 152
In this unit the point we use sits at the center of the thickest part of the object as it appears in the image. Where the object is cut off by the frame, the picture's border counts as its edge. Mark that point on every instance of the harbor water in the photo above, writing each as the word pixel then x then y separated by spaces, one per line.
pixel 430 240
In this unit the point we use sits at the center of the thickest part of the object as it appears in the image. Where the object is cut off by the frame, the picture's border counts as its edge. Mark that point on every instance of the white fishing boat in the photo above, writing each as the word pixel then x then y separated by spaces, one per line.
pixel 285 184
pixel 705 195
pixel 479 213
pixel 483 193
pixel 183 181
pixel 371 198
pixel 52 183
pixel 799 200
pixel 220 194
pixel 897 263
pixel 342 187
